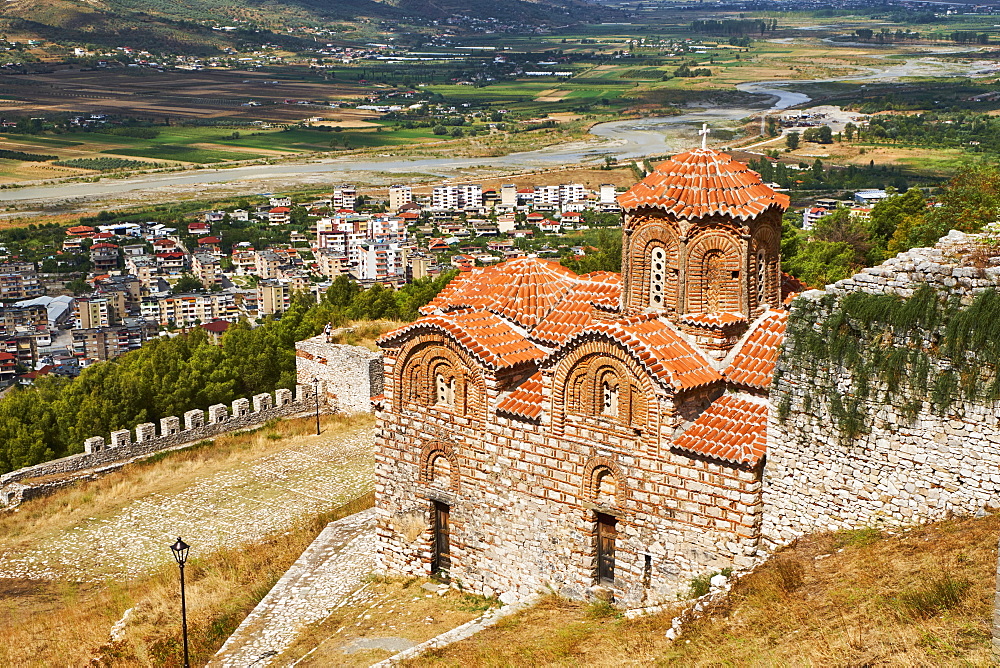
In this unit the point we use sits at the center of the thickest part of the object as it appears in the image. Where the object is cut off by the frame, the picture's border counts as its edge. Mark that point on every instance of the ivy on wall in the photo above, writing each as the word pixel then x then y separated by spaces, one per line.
pixel 868 349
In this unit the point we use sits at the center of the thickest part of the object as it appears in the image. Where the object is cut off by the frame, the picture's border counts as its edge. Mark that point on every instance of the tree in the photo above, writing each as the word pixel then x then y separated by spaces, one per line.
pixel 187 283
pixel 841 228
pixel 440 130
pixel 971 199
pixel 342 291
pixel 792 140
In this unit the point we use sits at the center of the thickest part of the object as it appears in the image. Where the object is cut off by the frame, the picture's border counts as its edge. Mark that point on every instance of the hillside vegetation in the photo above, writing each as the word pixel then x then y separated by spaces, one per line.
pixel 856 598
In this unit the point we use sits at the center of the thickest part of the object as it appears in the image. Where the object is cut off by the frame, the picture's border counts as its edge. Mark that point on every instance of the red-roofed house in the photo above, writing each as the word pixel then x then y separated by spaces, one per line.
pixel 602 435
pixel 279 215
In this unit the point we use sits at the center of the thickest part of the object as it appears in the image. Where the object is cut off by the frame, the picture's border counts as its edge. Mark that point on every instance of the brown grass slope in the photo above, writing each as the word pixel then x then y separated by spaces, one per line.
pixel 859 598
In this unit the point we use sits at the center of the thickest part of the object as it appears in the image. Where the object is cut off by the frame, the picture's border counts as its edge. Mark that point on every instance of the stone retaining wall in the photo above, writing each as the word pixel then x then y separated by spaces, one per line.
pixel 352 373
pixel 913 464
pixel 101 456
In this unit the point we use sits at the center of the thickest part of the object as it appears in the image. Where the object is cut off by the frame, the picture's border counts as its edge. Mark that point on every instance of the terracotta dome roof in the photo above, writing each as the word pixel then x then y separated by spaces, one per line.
pixel 700 183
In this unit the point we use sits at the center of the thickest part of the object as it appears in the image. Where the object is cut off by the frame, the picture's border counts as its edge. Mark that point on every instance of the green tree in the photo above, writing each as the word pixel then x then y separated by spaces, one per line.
pixel 187 283
pixel 971 200
pixel 792 140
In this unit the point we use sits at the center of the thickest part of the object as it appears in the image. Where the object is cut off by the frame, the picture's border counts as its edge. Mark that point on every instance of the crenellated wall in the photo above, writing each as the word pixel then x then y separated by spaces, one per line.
pixel 882 412
pixel 102 455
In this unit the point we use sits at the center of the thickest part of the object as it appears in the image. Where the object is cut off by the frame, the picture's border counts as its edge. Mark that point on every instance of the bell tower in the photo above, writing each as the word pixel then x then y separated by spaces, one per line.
pixel 701 242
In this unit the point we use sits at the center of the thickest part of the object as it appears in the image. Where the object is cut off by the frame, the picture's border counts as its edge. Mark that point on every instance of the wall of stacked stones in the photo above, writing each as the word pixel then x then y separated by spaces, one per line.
pixel 101 455
pixel 350 373
pixel 522 517
pixel 912 465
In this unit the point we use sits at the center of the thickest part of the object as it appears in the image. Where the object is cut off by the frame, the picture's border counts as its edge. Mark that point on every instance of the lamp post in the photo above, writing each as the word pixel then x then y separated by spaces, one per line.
pixel 180 550
pixel 316 396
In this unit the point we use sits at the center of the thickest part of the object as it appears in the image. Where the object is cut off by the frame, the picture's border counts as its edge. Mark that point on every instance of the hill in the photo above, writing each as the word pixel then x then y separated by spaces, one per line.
pixel 923 597
pixel 188 26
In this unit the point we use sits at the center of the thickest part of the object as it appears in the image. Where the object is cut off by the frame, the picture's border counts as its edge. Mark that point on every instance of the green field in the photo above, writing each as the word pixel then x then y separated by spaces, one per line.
pixel 181 153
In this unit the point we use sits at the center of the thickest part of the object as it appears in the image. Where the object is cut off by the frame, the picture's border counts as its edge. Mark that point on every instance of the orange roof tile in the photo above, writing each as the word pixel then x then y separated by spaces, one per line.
pixel 658 347
pixel 524 290
pixel 732 428
pixel 753 364
pixel 700 183
pixel 526 400
pixel 576 310
pixel 713 319
pixel 485 335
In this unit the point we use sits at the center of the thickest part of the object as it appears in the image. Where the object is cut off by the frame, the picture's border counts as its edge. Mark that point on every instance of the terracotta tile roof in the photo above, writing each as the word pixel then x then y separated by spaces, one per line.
pixel 524 290
pixel 576 310
pixel 526 400
pixel 732 428
pixel 790 286
pixel 703 182
pixel 753 364
pixel 485 335
pixel 658 347
pixel 712 319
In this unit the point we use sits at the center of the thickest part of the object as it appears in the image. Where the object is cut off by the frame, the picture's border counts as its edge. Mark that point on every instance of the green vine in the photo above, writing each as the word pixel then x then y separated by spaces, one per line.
pixel 865 350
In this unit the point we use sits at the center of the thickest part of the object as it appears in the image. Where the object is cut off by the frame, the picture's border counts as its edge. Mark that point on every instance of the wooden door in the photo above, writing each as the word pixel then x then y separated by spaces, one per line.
pixel 442 539
pixel 606 534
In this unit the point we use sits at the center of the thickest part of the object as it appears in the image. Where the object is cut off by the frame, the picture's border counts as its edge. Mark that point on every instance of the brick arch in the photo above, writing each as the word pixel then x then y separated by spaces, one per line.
pixel 429 455
pixel 767 241
pixel 593 472
pixel 638 271
pixel 418 365
pixel 714 273
pixel 574 385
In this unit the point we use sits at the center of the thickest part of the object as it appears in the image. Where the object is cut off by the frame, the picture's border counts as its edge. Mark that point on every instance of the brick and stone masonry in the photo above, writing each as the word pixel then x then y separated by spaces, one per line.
pixel 914 464
pixel 352 375
pixel 602 434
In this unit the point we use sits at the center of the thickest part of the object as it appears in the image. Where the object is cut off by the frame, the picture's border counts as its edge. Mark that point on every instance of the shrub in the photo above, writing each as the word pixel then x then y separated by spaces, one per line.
pixel 942 593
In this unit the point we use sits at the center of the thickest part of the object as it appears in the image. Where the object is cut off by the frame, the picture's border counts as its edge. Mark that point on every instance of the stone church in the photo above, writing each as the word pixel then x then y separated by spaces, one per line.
pixel 601 434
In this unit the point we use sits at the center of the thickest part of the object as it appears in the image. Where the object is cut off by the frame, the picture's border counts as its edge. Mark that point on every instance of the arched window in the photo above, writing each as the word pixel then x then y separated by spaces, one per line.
pixel 439 472
pixel 657 277
pixel 605 487
pixel 445 390
pixel 715 281
pixel 610 396
pixel 761 277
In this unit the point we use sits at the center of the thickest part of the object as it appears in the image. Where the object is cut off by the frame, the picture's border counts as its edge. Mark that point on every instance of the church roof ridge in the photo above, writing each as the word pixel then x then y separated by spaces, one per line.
pixel 703 182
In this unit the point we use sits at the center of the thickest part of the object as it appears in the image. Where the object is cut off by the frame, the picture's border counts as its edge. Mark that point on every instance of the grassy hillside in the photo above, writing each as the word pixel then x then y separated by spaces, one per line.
pixel 860 598
pixel 186 26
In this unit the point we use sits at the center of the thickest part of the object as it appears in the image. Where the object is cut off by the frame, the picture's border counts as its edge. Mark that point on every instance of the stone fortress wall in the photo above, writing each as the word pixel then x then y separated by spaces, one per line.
pixel 912 460
pixel 346 384
pixel 350 373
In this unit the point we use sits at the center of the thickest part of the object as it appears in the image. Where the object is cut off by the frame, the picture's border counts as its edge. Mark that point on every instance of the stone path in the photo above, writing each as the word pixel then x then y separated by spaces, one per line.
pixel 321 580
pixel 234 506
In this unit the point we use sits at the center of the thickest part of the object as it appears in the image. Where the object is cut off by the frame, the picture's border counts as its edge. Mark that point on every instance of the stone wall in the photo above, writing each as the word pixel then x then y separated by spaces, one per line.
pixel 914 461
pixel 352 375
pixel 101 456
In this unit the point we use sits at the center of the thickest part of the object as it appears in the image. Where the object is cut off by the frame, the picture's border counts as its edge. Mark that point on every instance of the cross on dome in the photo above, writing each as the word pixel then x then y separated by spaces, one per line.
pixel 704 135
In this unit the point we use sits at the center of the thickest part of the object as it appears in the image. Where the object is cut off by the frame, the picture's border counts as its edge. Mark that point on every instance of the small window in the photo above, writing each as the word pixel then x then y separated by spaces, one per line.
pixel 445 390
pixel 610 406
pixel 761 277
pixel 657 276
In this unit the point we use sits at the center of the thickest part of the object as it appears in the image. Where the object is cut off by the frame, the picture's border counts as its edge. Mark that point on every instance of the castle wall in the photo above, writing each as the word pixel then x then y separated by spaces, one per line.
pixel 913 461
pixel 102 456
pixel 522 517
pixel 352 374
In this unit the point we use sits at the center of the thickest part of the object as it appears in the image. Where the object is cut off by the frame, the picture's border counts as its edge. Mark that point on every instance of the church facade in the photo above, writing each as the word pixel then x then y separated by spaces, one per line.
pixel 601 434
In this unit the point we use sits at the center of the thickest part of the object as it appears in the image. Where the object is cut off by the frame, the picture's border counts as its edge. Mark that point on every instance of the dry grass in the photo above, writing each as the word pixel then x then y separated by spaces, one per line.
pixel 66 624
pixel 386 607
pixel 921 598
pixel 49 623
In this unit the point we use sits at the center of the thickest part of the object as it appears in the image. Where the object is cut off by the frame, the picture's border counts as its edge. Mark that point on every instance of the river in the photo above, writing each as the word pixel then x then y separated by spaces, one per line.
pixel 622 139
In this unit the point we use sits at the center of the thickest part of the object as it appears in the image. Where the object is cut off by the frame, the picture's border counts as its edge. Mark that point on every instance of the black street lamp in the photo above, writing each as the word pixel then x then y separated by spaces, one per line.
pixel 316 396
pixel 180 550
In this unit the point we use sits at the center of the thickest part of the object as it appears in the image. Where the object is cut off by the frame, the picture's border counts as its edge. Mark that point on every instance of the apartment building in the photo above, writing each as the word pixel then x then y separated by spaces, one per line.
pixel 273 296
pixel 171 262
pixel 457 197
pixel 399 196
pixel 267 264
pixel 381 261
pixel 104 257
pixel 18 280
pixel 331 263
pixel 207 269
pixel 93 312
pixel 191 309
pixel 105 343
pixel 344 198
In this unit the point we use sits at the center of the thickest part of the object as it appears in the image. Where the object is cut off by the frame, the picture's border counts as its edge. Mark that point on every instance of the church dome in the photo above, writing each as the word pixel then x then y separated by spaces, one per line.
pixel 701 183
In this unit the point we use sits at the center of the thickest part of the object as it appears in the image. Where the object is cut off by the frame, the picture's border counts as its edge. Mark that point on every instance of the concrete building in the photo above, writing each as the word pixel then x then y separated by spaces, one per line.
pixel 399 196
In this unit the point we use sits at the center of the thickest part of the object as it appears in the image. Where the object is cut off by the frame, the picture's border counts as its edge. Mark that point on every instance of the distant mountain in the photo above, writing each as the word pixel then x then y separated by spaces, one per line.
pixel 187 25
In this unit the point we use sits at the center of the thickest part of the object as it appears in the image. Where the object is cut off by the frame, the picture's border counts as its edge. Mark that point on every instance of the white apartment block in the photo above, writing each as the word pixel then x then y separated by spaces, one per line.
pixel 386 228
pixel 546 197
pixel 571 192
pixel 399 196
pixel 344 197
pixel 607 194
pixel 267 264
pixel 381 261
pixel 508 196
pixel 459 197
pixel 244 262
pixel 280 201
